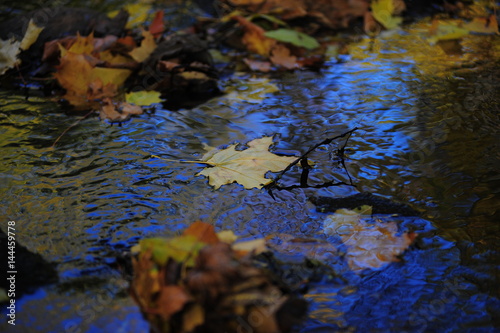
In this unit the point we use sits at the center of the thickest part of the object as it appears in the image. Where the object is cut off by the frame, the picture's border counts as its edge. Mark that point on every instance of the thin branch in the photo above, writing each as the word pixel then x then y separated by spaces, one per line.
pixel 70 127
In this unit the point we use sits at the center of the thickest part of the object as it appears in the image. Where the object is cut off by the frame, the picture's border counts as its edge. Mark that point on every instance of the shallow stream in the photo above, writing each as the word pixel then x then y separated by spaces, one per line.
pixel 428 137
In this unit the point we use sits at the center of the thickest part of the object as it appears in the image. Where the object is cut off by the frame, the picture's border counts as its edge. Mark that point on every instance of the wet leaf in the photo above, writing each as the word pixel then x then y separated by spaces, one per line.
pixel 118 112
pixel 446 30
pixel 281 56
pixel 157 27
pixel 139 13
pixel 370 243
pixel 182 249
pixel 293 37
pixel 484 25
pixel 143 98
pixel 31 35
pixel 203 232
pixel 254 37
pixel 171 300
pixel 383 11
pixel 148 45
pixel 256 65
pixel 254 246
pixel 10 49
pixel 246 167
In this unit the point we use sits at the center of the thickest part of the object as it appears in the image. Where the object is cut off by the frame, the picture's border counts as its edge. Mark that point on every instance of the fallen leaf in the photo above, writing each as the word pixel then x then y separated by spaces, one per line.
pixel 148 45
pixel 182 249
pixel 203 232
pixel 139 13
pixel 280 55
pixel 193 317
pixel 483 25
pixel 256 65
pixel 10 49
pixel 293 37
pixel 383 11
pixel 250 90
pixel 246 167
pixel 446 30
pixel 143 98
pixel 157 27
pixel 254 37
pixel 227 236
pixel 118 112
pixel 254 246
pixel 370 243
pixel 31 35
pixel 171 300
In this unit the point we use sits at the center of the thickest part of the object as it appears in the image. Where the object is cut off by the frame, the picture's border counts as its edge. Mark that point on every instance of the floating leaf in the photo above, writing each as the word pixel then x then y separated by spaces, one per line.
pixel 370 243
pixel 293 37
pixel 246 167
pixel 143 98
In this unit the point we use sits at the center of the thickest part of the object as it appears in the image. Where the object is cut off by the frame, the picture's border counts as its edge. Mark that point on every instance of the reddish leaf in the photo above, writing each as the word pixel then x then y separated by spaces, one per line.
pixel 204 232
pixel 158 26
pixel 172 299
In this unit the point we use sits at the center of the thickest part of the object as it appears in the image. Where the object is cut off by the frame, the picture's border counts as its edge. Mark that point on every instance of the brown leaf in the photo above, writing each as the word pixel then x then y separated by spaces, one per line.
pixel 256 65
pixel 120 112
pixel 254 37
pixel 171 300
pixel 280 55
pixel 204 232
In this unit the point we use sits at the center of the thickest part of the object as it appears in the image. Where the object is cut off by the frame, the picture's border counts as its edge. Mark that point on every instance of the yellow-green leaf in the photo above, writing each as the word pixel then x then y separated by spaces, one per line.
pixel 383 11
pixel 143 98
pixel 183 249
pixel 246 167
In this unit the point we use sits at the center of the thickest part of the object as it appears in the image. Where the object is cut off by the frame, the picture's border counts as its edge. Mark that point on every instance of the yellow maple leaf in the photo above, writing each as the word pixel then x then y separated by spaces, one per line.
pixel 246 167
pixel 143 98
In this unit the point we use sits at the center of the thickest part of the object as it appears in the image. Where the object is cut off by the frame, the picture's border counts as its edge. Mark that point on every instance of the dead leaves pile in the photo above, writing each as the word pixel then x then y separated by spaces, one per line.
pixel 201 282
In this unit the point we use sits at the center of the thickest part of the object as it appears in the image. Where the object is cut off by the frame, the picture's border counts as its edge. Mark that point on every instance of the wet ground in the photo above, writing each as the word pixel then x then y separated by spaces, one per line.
pixel 428 137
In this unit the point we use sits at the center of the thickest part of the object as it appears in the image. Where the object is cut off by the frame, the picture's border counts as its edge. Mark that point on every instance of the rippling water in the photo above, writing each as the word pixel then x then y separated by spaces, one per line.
pixel 428 136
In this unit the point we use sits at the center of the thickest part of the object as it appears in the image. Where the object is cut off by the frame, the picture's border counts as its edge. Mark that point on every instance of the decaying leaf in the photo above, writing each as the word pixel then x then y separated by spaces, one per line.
pixel 246 167
pixel 117 112
pixel 198 283
pixel 10 49
pixel 371 243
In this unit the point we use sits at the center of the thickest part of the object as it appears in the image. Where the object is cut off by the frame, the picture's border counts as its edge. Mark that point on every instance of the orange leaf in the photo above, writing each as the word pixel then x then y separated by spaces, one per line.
pixel 157 27
pixel 254 37
pixel 204 232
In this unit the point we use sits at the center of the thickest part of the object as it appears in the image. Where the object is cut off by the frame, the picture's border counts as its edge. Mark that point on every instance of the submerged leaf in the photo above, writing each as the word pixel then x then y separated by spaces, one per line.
pixel 370 243
pixel 246 167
